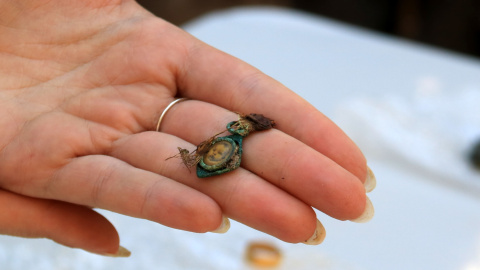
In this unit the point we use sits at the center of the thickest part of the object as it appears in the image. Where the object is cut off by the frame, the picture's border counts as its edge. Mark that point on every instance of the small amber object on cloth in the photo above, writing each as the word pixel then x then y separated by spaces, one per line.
pixel 262 254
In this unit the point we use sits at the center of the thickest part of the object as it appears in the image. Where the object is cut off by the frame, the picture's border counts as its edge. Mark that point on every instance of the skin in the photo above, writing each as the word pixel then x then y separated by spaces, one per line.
pixel 82 84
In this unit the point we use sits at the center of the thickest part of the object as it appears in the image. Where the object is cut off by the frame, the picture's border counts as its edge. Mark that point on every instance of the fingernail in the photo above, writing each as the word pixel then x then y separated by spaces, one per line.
pixel 371 182
pixel 121 253
pixel 367 214
pixel 224 227
pixel 318 236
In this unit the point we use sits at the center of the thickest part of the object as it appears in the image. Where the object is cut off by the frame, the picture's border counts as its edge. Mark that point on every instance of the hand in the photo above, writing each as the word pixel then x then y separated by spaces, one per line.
pixel 82 85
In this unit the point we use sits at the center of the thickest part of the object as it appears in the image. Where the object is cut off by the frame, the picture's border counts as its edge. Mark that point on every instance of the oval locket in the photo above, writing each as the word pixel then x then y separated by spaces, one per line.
pixel 223 155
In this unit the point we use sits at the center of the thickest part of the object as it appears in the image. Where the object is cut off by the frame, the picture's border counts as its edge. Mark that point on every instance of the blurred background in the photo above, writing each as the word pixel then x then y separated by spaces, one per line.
pixel 449 24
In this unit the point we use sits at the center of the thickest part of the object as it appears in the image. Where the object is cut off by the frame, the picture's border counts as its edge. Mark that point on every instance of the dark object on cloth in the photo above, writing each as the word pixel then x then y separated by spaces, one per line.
pixel 475 155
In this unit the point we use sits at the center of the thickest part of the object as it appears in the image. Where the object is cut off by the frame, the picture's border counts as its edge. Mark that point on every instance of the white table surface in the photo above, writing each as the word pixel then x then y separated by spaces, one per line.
pixel 420 223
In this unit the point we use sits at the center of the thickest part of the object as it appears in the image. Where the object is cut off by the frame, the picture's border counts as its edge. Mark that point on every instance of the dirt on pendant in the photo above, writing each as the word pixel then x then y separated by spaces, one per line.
pixel 243 126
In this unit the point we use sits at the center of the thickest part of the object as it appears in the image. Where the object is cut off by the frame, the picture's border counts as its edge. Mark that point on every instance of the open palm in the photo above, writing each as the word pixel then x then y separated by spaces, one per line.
pixel 82 86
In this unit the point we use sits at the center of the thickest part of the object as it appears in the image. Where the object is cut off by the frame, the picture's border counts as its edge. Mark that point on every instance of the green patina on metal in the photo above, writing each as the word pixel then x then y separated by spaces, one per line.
pixel 233 128
pixel 219 155
pixel 225 153
pixel 229 162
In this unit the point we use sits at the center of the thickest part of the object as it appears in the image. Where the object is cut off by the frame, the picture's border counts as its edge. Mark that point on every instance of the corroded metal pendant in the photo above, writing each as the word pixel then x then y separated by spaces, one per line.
pixel 224 155
pixel 219 155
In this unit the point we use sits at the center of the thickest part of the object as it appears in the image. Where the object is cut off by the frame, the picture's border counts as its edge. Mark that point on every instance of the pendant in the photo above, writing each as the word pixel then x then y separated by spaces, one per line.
pixel 219 155
pixel 224 155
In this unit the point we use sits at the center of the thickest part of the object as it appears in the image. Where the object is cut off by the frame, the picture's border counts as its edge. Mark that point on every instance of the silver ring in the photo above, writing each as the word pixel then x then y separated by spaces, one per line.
pixel 166 110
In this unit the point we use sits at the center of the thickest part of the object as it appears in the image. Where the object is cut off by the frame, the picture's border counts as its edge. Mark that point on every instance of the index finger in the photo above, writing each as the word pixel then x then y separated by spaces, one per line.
pixel 216 77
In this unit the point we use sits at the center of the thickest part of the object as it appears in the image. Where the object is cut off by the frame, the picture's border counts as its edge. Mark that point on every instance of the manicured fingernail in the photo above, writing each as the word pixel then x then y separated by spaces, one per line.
pixel 367 214
pixel 121 253
pixel 224 227
pixel 371 182
pixel 318 236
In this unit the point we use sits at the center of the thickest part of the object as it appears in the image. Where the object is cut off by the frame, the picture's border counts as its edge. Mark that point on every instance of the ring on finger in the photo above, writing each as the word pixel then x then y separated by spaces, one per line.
pixel 178 100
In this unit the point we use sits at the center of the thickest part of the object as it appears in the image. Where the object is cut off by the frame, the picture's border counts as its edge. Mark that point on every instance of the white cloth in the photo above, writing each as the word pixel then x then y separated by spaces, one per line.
pixel 431 130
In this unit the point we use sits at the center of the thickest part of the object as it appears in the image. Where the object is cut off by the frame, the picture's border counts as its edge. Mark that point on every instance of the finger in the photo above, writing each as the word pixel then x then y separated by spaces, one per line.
pixel 99 181
pixel 277 157
pixel 218 78
pixel 107 183
pixel 243 196
pixel 126 108
pixel 68 224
